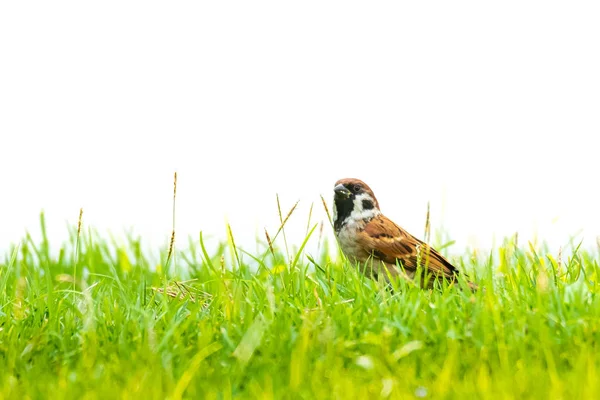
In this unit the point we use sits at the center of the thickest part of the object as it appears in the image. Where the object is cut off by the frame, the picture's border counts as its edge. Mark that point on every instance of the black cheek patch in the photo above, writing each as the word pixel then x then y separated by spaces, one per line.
pixel 367 205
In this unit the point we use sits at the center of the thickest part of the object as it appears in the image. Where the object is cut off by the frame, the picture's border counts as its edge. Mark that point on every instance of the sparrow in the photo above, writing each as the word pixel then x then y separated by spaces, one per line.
pixel 379 246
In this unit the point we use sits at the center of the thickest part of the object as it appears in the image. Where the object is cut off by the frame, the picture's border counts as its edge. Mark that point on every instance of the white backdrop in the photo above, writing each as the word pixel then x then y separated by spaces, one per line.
pixel 489 111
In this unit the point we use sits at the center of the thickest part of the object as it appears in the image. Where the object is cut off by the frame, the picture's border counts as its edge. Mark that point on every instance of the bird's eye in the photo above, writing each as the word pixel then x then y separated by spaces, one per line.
pixel 356 188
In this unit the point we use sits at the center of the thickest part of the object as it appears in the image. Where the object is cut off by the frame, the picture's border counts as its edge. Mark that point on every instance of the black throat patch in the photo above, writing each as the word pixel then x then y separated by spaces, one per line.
pixel 343 207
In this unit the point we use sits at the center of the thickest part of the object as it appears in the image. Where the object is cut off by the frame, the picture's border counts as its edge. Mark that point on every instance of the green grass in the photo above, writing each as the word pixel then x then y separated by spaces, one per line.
pixel 105 321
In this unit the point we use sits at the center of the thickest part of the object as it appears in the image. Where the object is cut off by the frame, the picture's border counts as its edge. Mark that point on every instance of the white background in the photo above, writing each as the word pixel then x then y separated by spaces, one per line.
pixel 490 111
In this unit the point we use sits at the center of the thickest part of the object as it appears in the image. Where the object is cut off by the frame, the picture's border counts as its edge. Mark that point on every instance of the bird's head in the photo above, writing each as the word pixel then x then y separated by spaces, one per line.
pixel 353 201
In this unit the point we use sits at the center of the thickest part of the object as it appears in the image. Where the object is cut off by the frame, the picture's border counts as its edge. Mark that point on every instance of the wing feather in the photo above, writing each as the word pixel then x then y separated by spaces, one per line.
pixel 392 244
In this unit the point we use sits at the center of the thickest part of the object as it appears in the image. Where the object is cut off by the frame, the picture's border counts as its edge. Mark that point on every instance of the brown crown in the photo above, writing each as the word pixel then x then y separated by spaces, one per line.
pixel 351 182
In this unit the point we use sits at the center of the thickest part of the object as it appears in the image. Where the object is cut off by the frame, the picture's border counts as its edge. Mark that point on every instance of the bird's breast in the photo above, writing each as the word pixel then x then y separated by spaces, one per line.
pixel 348 239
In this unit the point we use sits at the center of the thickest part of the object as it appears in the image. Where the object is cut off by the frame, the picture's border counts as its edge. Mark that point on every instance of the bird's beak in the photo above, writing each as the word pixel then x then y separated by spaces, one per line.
pixel 341 191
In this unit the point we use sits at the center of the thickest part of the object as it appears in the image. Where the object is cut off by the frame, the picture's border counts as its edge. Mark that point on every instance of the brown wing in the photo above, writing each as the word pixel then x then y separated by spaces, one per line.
pixel 392 244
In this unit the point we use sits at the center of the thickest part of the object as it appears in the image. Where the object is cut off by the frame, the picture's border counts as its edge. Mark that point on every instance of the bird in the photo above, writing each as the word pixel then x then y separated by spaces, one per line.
pixel 380 247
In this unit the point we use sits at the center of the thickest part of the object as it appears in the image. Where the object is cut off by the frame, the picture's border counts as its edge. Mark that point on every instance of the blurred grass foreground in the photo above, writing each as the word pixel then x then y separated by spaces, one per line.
pixel 100 319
